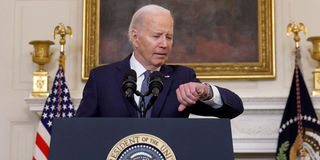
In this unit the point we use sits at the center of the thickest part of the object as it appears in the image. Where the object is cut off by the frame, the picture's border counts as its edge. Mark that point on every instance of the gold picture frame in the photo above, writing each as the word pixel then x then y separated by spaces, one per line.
pixel 263 68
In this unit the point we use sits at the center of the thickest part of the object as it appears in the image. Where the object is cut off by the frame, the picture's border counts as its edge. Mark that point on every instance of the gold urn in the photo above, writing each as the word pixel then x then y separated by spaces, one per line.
pixel 315 54
pixel 41 56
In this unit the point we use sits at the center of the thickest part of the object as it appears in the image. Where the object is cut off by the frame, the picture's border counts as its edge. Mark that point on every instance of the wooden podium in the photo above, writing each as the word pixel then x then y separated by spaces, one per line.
pixel 129 138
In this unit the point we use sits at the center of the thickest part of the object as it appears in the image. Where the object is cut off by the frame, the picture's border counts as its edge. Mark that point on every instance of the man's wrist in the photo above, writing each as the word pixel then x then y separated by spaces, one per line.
pixel 209 94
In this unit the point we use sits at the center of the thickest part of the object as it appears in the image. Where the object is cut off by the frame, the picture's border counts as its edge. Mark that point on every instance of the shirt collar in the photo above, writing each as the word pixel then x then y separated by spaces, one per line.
pixel 138 67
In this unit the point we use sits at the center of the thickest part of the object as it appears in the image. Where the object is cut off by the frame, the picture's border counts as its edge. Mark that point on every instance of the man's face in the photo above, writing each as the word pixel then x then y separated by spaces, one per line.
pixel 153 41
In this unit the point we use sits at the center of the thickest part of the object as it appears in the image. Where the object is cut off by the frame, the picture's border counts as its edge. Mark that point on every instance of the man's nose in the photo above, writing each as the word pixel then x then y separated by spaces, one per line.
pixel 164 42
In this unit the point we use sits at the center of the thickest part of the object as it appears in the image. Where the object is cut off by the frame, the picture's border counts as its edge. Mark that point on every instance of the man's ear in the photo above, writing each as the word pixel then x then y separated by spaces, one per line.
pixel 134 37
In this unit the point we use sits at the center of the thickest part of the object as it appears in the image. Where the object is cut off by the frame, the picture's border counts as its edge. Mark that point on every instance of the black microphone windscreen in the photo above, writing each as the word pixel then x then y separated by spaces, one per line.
pixel 156 82
pixel 156 75
pixel 130 75
pixel 129 85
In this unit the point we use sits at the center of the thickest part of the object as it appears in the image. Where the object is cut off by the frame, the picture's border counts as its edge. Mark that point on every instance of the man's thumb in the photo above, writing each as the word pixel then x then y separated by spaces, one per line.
pixel 181 107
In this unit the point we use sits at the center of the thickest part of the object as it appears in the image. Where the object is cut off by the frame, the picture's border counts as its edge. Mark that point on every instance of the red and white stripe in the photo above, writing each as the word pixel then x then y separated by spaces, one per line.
pixel 41 151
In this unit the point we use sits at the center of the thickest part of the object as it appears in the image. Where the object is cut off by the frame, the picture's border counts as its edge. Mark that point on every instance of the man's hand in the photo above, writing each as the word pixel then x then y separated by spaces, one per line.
pixel 189 93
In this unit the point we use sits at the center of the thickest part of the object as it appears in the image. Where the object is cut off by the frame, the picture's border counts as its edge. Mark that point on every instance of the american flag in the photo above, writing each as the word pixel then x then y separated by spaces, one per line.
pixel 58 104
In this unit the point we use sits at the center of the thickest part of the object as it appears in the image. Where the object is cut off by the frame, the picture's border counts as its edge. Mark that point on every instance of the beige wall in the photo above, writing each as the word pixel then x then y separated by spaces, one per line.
pixel 26 20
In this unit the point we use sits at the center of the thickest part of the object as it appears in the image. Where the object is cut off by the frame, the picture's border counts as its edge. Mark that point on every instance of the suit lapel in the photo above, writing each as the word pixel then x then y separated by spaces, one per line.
pixel 167 80
pixel 122 67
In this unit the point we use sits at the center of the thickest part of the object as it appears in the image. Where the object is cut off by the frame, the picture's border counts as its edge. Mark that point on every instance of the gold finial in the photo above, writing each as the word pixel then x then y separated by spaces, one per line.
pixel 62 31
pixel 295 29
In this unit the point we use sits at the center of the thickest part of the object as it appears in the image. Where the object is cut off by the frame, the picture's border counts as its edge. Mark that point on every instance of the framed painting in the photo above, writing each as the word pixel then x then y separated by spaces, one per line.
pixel 219 39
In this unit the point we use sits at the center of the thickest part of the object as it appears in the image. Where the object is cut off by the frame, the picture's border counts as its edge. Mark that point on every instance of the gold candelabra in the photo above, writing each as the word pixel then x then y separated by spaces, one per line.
pixel 41 56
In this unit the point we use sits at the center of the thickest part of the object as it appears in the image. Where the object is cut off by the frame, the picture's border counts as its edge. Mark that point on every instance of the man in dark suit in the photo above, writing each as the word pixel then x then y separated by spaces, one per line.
pixel 151 35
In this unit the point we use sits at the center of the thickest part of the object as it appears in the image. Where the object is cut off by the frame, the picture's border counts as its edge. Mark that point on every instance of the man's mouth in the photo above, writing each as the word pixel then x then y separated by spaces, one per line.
pixel 161 54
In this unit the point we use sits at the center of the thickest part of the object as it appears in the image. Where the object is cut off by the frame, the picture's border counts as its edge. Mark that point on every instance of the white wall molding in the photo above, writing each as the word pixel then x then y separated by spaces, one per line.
pixel 22 135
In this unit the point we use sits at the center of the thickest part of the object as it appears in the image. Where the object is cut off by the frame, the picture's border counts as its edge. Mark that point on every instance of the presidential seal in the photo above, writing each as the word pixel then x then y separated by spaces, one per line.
pixel 141 147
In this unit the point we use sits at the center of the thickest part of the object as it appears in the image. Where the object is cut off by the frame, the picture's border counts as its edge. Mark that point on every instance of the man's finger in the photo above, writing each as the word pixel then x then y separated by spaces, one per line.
pixel 180 99
pixel 193 89
pixel 181 107
pixel 200 91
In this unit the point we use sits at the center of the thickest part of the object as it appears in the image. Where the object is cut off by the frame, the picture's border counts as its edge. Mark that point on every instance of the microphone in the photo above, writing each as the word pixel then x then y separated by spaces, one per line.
pixel 155 87
pixel 129 85
pixel 156 83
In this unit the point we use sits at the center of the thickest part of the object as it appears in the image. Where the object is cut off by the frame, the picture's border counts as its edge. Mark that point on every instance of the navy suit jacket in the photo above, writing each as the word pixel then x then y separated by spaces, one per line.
pixel 103 95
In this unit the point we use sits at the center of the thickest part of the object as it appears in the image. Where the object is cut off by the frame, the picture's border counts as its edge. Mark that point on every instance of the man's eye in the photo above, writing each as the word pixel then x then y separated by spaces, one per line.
pixel 169 38
pixel 156 36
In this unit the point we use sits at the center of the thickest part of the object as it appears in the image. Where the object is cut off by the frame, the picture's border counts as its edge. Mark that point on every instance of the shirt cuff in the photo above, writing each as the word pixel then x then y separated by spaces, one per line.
pixel 216 101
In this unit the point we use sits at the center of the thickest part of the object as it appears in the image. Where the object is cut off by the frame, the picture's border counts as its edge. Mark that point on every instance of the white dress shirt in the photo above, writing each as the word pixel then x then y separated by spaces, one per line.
pixel 214 102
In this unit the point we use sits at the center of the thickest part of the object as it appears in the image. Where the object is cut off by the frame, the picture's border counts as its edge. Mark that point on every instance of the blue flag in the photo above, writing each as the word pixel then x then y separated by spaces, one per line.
pixel 299 133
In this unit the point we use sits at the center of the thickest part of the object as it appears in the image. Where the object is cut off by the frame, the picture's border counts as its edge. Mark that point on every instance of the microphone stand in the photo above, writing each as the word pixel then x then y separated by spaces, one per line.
pixel 151 102
pixel 143 107
pixel 143 110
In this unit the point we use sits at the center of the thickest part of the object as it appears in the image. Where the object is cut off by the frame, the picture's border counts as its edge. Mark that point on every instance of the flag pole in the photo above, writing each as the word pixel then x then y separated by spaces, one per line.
pixel 295 29
pixel 63 32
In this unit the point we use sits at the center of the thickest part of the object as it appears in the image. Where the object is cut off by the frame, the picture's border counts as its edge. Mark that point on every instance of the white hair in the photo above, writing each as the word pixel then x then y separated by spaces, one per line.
pixel 138 17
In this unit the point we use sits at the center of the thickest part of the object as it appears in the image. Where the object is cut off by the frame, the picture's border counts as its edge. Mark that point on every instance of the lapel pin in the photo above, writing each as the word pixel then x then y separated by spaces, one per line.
pixel 166 76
